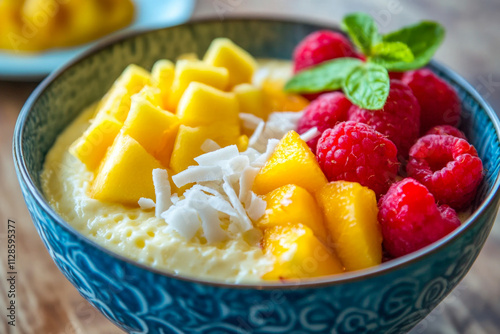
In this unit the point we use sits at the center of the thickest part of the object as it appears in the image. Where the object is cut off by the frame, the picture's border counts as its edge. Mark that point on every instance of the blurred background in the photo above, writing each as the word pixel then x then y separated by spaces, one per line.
pixel 47 303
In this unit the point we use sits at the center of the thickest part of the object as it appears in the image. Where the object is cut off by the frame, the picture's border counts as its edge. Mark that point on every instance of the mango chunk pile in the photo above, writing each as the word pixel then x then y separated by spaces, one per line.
pixel 312 227
pixel 160 119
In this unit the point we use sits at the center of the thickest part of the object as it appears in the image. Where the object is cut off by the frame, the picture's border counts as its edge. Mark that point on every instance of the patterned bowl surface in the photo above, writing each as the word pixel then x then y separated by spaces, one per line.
pixel 391 298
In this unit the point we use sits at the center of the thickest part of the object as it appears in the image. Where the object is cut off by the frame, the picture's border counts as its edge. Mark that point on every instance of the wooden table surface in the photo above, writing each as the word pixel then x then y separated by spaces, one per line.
pixel 48 304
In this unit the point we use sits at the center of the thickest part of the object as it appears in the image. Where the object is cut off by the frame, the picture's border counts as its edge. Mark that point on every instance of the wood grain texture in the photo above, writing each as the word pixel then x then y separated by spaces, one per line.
pixel 48 304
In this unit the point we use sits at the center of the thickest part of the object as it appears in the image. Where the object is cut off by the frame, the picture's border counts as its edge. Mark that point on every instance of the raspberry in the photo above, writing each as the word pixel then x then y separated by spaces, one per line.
pixel 320 46
pixel 324 113
pixel 411 219
pixel 398 120
pixel 439 102
pixel 396 75
pixel 356 152
pixel 446 130
pixel 314 96
pixel 448 166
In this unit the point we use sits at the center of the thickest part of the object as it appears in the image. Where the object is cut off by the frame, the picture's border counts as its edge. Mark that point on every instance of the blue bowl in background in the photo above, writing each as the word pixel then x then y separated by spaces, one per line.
pixel 390 298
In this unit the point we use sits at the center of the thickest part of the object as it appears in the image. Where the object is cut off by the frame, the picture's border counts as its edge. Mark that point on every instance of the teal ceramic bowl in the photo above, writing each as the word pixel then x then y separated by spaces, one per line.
pixel 390 298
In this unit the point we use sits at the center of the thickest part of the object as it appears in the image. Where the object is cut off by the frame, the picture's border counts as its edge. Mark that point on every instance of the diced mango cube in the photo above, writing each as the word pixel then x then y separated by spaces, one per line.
pixel 293 204
pixel 188 142
pixel 292 162
pixel 187 146
pixel 125 174
pixel 240 64
pixel 91 147
pixel 154 128
pixel 351 212
pixel 162 77
pixel 116 103
pixel 152 95
pixel 277 100
pixel 202 105
pixel 133 79
pixel 250 99
pixel 187 71
pixel 190 56
pixel 299 254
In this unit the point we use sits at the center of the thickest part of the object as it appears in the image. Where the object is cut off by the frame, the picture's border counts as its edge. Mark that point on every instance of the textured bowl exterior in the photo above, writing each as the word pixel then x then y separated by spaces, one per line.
pixel 391 299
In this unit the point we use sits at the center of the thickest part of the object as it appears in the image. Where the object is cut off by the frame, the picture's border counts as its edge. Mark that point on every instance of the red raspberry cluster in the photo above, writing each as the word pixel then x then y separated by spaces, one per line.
pixel 443 170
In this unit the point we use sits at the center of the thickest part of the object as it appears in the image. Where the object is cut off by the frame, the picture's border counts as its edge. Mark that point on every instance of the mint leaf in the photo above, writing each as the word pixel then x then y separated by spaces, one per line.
pixel 325 76
pixel 362 30
pixel 423 39
pixel 389 53
pixel 367 86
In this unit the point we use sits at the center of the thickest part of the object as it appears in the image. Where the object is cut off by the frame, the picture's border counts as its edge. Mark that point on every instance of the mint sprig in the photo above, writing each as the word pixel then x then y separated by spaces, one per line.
pixel 389 53
pixel 423 39
pixel 326 76
pixel 367 84
pixel 362 30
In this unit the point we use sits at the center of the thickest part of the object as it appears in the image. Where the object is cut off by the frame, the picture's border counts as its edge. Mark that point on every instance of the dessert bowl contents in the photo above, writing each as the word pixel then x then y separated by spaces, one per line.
pixel 37 25
pixel 116 170
pixel 196 167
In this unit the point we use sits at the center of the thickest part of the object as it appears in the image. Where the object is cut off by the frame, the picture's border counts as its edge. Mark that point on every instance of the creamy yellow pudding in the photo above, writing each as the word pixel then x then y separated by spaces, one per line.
pixel 137 233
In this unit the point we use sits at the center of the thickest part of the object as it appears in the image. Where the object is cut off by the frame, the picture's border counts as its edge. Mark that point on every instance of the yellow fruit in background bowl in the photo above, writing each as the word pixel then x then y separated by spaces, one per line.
pixel 125 174
pixel 299 254
pixel 292 162
pixel 35 25
pixel 350 212
pixel 295 205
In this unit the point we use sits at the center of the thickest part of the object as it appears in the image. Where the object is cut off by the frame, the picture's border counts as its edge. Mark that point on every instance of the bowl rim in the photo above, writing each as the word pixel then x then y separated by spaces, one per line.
pixel 334 280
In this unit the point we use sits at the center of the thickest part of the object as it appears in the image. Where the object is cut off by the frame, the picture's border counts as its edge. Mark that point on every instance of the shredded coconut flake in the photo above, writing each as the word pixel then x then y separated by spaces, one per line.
pixel 250 121
pixel 174 198
pixel 271 146
pixel 197 174
pixel 162 191
pixel 245 224
pixel 211 225
pixel 209 146
pixel 221 205
pixel 310 134
pixel 146 203
pixel 257 207
pixel 183 220
pixel 216 157
pixel 246 181
pixel 257 134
